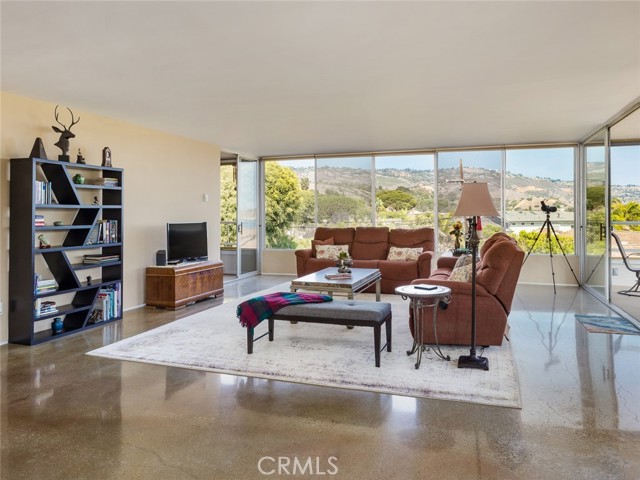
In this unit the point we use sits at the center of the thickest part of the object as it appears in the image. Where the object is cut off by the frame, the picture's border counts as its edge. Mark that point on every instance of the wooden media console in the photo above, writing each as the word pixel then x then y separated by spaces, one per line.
pixel 176 286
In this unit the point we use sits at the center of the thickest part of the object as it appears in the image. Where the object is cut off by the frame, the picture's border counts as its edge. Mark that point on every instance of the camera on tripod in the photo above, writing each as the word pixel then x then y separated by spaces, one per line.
pixel 548 208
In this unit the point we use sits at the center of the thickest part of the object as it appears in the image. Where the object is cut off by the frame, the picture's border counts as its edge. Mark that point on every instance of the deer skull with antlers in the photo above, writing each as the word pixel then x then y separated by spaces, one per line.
pixel 66 134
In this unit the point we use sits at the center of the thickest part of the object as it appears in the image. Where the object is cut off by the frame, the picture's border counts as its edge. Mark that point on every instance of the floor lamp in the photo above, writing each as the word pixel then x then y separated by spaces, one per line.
pixel 475 201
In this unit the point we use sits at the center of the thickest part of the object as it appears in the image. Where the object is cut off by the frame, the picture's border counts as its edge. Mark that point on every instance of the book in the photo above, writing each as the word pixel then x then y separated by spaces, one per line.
pixel 337 276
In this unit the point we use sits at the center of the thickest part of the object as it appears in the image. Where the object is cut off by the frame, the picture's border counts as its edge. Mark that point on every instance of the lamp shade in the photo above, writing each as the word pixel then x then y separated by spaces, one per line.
pixel 475 201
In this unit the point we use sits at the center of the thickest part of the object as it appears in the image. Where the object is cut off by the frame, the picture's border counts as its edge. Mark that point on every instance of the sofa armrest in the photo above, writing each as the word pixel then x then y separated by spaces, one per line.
pixel 302 256
pixel 447 262
pixel 424 264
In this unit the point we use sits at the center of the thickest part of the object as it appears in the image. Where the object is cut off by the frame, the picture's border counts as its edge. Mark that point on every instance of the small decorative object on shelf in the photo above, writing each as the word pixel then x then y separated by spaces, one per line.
pixel 80 158
pixel 106 157
pixel 78 179
pixel 89 279
pixel 57 325
pixel 344 262
pixel 456 231
pixel 65 135
pixel 38 149
pixel 44 242
pixel 96 201
pixel 58 223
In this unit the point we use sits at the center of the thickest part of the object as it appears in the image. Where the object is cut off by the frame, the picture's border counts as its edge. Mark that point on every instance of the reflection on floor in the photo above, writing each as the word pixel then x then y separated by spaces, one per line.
pixel 69 416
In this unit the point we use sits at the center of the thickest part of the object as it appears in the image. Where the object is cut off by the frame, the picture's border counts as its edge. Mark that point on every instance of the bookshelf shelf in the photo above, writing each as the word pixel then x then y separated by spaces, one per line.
pixel 41 277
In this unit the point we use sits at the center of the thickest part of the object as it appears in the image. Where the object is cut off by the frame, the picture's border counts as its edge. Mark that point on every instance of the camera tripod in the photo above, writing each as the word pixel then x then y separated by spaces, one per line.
pixel 549 228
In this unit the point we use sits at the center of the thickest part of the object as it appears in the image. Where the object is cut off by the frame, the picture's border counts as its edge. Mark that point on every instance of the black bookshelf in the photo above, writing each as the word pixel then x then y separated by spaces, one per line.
pixel 78 301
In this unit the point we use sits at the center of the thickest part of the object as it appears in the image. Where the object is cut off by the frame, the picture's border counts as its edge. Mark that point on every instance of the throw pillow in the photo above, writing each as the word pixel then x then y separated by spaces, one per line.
pixel 330 252
pixel 404 254
pixel 462 270
pixel 315 243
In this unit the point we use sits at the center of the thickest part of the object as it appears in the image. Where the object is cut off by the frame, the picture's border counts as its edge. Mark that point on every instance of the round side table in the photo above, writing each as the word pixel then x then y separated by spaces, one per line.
pixel 422 296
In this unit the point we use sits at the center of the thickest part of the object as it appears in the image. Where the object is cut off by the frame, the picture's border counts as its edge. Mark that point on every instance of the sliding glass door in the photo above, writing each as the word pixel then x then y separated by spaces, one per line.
pixel 596 258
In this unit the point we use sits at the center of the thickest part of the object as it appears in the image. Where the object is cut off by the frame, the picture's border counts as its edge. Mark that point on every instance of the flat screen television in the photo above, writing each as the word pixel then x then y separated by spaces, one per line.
pixel 186 242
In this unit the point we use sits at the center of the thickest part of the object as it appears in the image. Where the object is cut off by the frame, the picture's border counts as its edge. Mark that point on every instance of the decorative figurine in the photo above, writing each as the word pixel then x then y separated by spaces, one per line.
pixel 78 179
pixel 38 150
pixel 44 242
pixel 106 157
pixel 65 135
pixel 95 201
pixel 80 158
pixel 89 280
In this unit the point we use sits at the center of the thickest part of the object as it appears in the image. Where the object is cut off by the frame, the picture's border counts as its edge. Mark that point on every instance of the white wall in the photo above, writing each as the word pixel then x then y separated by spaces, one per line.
pixel 165 177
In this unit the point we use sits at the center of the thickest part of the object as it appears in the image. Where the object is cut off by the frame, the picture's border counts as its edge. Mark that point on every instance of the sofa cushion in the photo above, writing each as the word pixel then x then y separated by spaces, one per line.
pixel 401 271
pixel 404 254
pixel 462 270
pixel 418 237
pixel 341 236
pixel 370 243
pixel 315 243
pixel 330 252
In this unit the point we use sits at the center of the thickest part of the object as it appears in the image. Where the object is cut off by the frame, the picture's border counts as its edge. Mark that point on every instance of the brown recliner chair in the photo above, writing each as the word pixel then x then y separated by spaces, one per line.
pixel 497 275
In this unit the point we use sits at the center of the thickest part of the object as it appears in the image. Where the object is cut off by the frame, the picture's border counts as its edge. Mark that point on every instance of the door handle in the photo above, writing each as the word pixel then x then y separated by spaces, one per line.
pixel 240 228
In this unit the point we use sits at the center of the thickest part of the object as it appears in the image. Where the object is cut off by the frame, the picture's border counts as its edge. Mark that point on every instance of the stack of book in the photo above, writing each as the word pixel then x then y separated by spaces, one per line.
pixel 43 192
pixel 99 258
pixel 105 231
pixel 45 307
pixel 108 304
pixel 39 220
pixel 44 286
pixel 106 182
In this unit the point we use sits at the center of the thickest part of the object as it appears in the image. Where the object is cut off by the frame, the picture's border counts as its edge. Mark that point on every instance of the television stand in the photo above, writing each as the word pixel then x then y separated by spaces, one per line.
pixel 176 286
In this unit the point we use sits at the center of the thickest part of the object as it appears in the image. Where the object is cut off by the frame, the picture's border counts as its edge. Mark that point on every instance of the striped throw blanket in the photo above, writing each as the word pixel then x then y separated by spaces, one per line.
pixel 257 309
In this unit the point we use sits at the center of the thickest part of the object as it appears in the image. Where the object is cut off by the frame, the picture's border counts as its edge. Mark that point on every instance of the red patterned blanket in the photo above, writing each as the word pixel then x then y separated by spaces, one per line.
pixel 257 309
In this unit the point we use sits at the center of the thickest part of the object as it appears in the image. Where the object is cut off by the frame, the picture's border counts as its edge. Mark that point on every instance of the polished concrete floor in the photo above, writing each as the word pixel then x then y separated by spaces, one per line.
pixel 65 415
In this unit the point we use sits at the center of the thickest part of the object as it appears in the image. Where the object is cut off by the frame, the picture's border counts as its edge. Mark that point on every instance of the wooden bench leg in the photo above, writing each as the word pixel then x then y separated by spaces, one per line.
pixel 376 343
pixel 249 340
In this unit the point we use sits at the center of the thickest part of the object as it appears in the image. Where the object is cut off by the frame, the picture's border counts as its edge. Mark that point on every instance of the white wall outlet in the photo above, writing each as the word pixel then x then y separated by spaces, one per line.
pixel 614 271
pixel 1 308
pixel 205 197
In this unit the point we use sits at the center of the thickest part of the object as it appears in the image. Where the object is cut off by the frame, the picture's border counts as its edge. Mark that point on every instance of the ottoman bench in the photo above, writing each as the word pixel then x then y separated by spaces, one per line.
pixel 337 312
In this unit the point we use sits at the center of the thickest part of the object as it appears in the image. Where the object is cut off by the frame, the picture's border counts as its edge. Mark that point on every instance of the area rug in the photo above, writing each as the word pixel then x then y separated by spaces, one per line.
pixel 603 324
pixel 325 355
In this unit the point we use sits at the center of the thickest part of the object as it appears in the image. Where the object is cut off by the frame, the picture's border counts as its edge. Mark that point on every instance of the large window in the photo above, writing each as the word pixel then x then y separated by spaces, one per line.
pixel 540 175
pixel 404 190
pixel 471 165
pixel 289 203
pixel 344 190
pixel 398 191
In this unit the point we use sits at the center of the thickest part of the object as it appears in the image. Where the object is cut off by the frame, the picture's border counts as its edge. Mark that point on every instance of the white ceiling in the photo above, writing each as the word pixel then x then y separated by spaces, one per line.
pixel 271 78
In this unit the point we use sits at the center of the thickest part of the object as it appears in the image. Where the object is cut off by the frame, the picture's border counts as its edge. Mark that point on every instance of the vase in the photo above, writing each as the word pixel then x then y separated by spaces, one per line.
pixel 57 325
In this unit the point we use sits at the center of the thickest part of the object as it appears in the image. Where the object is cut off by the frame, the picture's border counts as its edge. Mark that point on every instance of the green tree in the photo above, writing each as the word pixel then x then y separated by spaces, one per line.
pixel 304 183
pixel 228 205
pixel 336 209
pixel 526 240
pixel 397 200
pixel 283 202
pixel 625 212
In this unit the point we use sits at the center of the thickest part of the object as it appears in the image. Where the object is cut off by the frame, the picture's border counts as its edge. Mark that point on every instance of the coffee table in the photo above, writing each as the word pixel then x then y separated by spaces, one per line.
pixel 361 278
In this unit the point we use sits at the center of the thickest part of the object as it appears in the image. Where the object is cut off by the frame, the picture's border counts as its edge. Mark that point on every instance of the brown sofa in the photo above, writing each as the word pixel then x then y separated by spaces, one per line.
pixel 497 275
pixel 369 247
